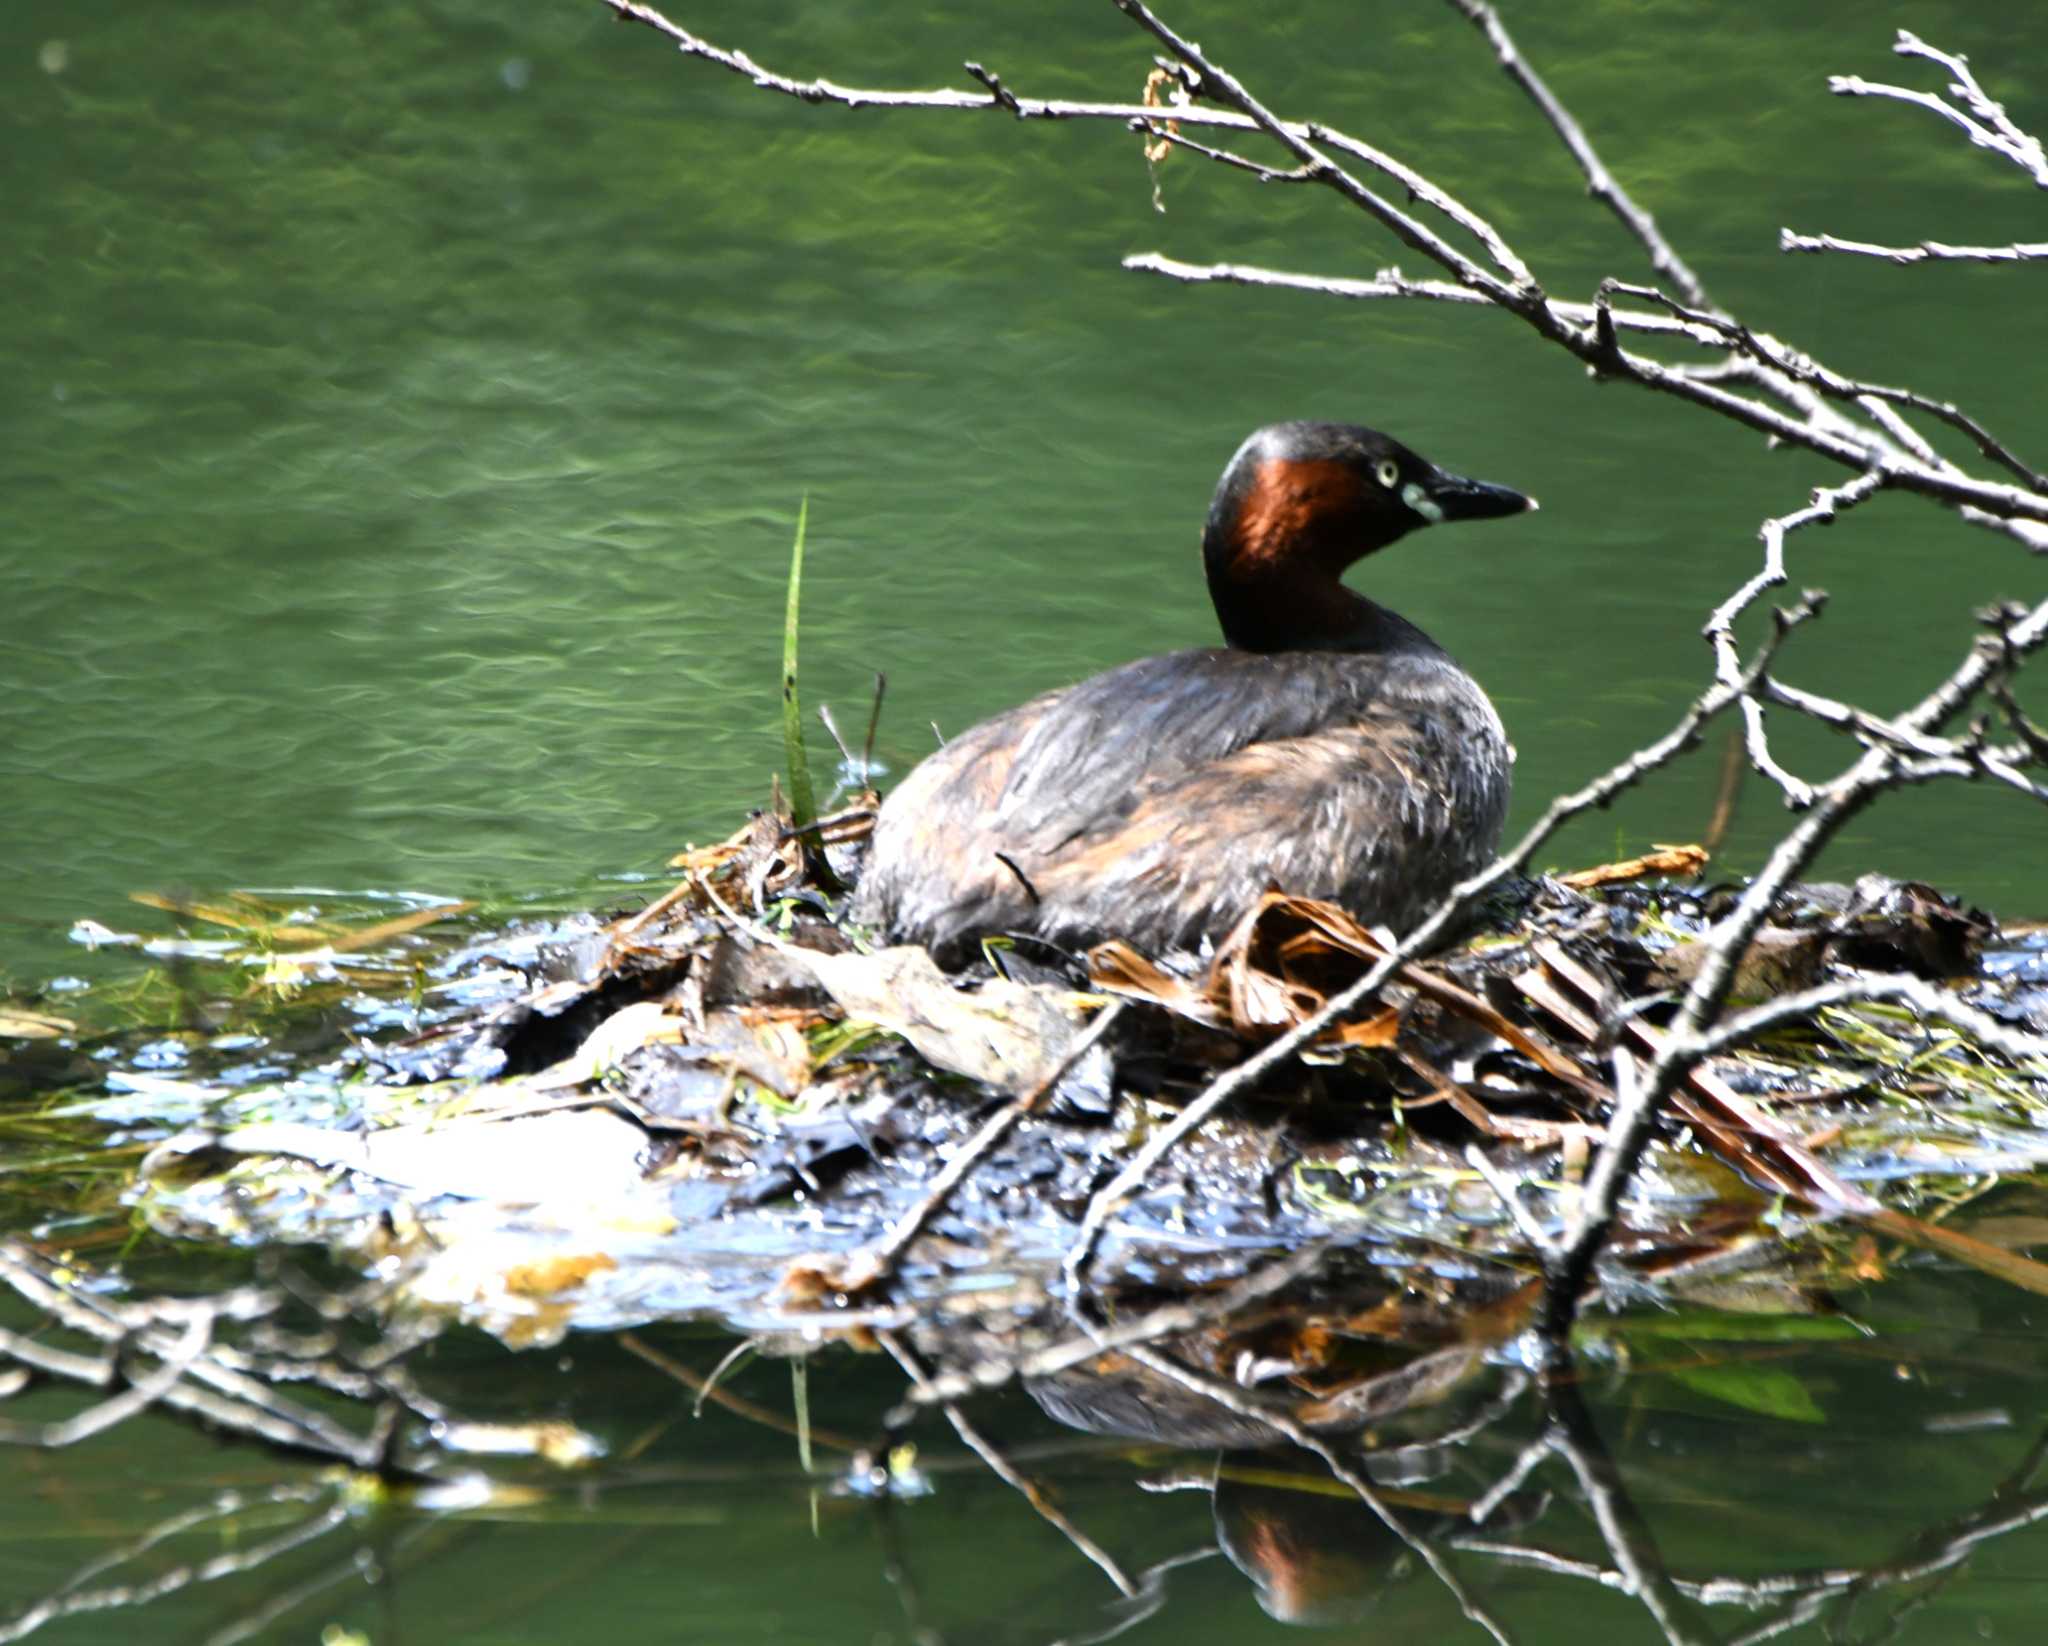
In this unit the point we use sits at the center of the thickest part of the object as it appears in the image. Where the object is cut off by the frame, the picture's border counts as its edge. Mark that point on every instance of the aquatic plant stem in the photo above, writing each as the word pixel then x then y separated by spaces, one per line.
pixel 803 804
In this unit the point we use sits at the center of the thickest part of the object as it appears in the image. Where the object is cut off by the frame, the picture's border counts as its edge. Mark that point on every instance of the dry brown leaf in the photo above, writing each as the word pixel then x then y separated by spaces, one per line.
pixel 770 1051
pixel 550 1276
pixel 644 1023
pixel 18 1023
pixel 1327 932
pixel 1381 1029
pixel 1682 861
pixel 1981 1255
pixel 1285 959
pixel 1735 1128
pixel 385 930
pixel 1777 960
pixel 237 920
pixel 1013 1036
pixel 1422 1381
pixel 1117 968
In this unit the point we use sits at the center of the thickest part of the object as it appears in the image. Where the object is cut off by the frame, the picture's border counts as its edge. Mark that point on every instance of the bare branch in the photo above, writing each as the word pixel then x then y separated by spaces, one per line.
pixel 1234 1401
pixel 1925 251
pixel 1297 138
pixel 1226 157
pixel 1600 181
pixel 1639 1100
pixel 2032 736
pixel 870 1265
pixel 2017 632
pixel 1519 293
pixel 1720 628
pixel 1509 1194
pixel 1387 283
pixel 1168 1320
pixel 1803 368
pixel 1853 445
pixel 1923 997
pixel 1986 124
pixel 1392 283
pixel 1001 1467
pixel 1242 1076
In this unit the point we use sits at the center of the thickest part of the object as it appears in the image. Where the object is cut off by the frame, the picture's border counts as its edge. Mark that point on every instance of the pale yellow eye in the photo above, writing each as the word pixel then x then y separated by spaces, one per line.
pixel 1388 473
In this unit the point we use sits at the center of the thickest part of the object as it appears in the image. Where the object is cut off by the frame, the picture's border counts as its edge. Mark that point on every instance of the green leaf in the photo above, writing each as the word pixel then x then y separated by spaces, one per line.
pixel 1763 1389
pixel 803 803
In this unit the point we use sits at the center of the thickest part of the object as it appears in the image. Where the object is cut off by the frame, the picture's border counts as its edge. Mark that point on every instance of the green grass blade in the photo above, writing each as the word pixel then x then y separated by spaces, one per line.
pixel 803 803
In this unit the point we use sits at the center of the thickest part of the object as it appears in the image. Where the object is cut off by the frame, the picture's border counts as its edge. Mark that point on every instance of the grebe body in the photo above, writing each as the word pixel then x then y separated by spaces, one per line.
pixel 1330 748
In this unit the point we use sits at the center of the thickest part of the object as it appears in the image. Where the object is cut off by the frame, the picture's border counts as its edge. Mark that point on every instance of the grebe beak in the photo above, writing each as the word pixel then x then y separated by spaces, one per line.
pixel 1442 497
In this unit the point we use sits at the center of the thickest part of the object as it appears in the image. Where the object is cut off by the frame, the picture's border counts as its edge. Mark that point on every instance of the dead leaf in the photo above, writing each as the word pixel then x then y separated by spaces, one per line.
pixel 1013 1036
pixel 1117 968
pixel 584 1158
pixel 298 934
pixel 1682 862
pixel 1777 960
pixel 548 1276
pixel 644 1023
pixel 370 936
pixel 1383 1029
pixel 1422 1381
pixel 18 1023
pixel 1981 1255
pixel 1735 1128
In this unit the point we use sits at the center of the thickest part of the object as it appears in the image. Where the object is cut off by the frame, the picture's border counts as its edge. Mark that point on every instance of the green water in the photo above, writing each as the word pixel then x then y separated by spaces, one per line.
pixel 406 409
pixel 1917 1464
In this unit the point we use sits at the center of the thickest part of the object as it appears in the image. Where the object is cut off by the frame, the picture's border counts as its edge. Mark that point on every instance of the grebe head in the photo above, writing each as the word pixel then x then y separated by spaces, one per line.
pixel 1298 504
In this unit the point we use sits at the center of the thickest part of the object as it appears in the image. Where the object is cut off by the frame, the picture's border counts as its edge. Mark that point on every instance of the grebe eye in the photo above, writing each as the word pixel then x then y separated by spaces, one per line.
pixel 1388 473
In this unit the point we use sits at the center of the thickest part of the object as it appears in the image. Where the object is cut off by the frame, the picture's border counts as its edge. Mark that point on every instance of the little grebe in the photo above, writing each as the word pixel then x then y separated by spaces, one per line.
pixel 1330 748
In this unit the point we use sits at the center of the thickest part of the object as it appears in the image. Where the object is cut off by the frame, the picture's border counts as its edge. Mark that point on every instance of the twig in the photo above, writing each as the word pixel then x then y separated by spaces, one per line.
pixel 1926 1000
pixel 1003 1470
pixel 198 1383
pixel 73 1600
pixel 1392 283
pixel 1720 627
pixel 1519 292
pixel 1986 124
pixel 1600 183
pixel 1244 1075
pixel 1803 368
pixel 1630 1128
pixel 1574 1437
pixel 1924 251
pixel 1168 1320
pixel 1148 118
pixel 2032 736
pixel 1234 1401
pixel 871 1265
pixel 144 1393
pixel 1513 287
pixel 1509 1194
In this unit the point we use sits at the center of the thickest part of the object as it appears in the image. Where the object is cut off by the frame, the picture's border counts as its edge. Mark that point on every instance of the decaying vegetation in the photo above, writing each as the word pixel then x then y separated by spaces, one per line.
pixel 1302 1187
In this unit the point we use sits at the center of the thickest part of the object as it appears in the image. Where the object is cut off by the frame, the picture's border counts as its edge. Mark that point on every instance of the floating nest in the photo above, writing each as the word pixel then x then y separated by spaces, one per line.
pixel 726 1104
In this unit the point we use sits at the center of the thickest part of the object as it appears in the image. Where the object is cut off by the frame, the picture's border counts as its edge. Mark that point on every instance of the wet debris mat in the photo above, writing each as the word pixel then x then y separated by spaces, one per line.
pixel 723 1104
